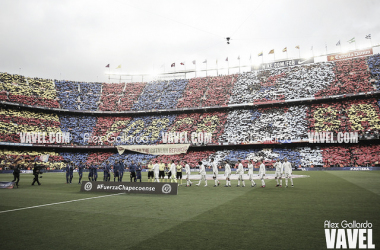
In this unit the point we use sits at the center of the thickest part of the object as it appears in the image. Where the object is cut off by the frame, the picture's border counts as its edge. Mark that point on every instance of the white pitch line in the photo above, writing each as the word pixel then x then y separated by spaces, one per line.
pixel 57 203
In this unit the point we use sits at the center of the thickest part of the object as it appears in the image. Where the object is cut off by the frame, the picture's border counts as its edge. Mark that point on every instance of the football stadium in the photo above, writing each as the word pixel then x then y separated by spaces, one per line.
pixel 250 150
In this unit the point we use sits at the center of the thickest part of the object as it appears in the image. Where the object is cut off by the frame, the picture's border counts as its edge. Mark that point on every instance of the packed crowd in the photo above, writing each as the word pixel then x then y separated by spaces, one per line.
pixel 374 67
pixel 352 76
pixel 294 82
pixel 209 122
pixel 356 155
pixel 270 85
pixel 14 121
pixel 282 124
pixel 326 156
pixel 77 126
pixel 30 91
pixel 160 95
pixel 207 91
pixel 78 96
pixel 120 96
pixel 361 115
pixel 7 157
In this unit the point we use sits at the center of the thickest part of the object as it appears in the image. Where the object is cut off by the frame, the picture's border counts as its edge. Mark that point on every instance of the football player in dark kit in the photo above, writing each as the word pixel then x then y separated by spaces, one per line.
pixel 69 172
pixel 95 170
pixel 138 171
pixel 168 172
pixel 105 175
pixel 90 173
pixel 121 170
pixel 80 171
pixel 115 173
pixel 108 168
pixel 132 170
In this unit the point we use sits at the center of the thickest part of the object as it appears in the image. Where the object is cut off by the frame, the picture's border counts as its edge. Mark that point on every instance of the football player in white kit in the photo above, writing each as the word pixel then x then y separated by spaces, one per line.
pixel 278 173
pixel 188 173
pixel 156 170
pixel 262 173
pixel 250 173
pixel 240 172
pixel 227 173
pixel 173 170
pixel 288 172
pixel 202 172
pixel 215 172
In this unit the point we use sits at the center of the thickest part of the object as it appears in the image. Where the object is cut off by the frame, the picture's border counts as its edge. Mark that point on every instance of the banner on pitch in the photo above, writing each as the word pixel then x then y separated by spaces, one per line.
pixel 161 149
pixel 130 187
pixel 7 184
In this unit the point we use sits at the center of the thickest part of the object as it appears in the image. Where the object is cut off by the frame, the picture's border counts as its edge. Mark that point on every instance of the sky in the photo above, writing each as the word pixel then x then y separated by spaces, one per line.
pixel 75 40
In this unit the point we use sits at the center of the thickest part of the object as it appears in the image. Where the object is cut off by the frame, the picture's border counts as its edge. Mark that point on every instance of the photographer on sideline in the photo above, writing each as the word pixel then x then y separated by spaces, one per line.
pixel 16 169
pixel 36 171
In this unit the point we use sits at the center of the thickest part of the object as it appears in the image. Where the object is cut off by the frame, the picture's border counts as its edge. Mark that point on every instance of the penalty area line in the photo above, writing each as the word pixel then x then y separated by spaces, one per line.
pixel 57 203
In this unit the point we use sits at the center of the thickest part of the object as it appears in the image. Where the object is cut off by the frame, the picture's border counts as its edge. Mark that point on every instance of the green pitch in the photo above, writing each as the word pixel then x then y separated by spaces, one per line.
pixel 196 218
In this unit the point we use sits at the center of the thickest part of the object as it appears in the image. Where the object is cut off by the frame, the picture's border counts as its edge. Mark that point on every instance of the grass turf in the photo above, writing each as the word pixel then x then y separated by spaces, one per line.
pixel 196 218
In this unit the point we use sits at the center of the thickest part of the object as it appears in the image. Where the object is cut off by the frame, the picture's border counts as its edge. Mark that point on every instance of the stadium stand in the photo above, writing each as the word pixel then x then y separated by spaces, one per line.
pixel 130 96
pixel 30 91
pixel 314 80
pixel 55 160
pixel 374 67
pixel 68 94
pixel 245 125
pixel 77 126
pixel 336 155
pixel 14 121
pixel 120 96
pixel 235 125
pixel 109 125
pixel 160 95
pixel 328 156
pixel 210 122
pixel 352 76
pixel 358 115
pixel 78 96
pixel 365 155
pixel 110 96
pixel 207 91
pixel 89 96
pixel 295 82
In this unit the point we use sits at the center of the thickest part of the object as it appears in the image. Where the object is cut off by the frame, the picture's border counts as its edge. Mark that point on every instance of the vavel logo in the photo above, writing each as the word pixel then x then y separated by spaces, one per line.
pixel 353 235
